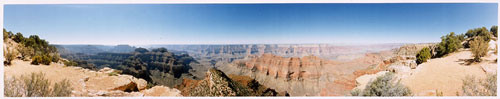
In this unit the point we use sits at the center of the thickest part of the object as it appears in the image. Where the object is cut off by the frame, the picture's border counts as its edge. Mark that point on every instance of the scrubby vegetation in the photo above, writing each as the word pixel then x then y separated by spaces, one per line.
pixel 69 63
pixel 383 86
pixel 479 48
pixel 480 87
pixel 9 56
pixel 36 85
pixel 423 55
pixel 477 39
pixel 44 59
pixel 33 48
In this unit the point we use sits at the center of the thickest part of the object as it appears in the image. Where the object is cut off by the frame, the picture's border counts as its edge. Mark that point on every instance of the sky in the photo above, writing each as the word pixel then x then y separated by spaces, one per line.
pixel 146 24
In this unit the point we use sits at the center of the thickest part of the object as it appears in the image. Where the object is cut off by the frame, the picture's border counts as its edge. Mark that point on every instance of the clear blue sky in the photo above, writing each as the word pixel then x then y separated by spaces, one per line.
pixel 246 23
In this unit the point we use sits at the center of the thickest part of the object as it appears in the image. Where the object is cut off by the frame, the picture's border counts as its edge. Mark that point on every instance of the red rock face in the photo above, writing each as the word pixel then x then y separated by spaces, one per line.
pixel 290 68
pixel 319 76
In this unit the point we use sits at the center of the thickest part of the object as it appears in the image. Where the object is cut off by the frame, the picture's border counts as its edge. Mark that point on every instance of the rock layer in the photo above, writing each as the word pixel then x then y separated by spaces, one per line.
pixel 305 76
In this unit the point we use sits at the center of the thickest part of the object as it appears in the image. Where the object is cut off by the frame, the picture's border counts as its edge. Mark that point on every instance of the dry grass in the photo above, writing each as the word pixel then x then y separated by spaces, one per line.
pixel 35 85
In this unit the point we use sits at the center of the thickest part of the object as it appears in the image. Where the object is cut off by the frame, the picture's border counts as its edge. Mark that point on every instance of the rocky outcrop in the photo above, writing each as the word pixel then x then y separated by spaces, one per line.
pixel 413 49
pixel 161 91
pixel 104 85
pixel 216 83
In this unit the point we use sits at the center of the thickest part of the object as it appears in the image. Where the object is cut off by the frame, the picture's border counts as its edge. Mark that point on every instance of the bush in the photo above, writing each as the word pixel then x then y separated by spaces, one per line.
pixel 35 85
pixel 13 87
pixel 25 52
pixel 383 86
pixel 54 58
pixel 70 63
pixel 477 87
pixel 41 59
pixel 479 48
pixel 9 56
pixel 449 43
pixel 423 55
pixel 36 60
pixel 61 89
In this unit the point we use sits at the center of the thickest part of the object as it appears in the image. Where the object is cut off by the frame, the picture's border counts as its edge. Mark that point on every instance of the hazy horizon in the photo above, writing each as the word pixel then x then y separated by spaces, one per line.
pixel 227 24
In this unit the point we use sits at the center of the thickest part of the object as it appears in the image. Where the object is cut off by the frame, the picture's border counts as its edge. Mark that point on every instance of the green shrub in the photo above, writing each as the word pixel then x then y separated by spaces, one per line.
pixel 36 85
pixel 55 58
pixel 70 63
pixel 41 59
pixel 479 48
pixel 478 87
pixel 383 86
pixel 423 55
pixel 481 32
pixel 449 43
pixel 18 37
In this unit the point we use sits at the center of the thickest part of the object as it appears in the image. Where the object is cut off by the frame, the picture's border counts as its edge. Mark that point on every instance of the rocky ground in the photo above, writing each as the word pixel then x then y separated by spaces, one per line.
pixel 88 83
pixel 216 83
pixel 436 75
pixel 446 74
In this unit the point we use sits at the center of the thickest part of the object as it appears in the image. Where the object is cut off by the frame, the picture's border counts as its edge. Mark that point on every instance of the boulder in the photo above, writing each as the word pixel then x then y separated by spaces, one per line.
pixel 159 91
pixel 141 83
pixel 110 83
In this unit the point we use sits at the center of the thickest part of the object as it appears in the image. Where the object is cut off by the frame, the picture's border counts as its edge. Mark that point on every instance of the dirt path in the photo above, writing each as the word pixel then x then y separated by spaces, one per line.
pixel 445 74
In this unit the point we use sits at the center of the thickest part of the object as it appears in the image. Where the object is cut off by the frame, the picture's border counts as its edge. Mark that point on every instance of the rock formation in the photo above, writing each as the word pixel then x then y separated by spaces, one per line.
pixel 305 76
pixel 216 83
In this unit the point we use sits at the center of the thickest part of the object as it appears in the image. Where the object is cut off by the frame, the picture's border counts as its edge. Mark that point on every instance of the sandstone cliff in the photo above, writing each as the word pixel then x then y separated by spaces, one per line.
pixel 309 75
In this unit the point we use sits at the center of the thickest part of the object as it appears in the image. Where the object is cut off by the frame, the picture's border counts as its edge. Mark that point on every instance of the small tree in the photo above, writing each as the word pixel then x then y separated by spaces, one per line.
pixel 479 48
pixel 449 43
pixel 25 52
pixel 18 37
pixel 423 55
pixel 494 30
